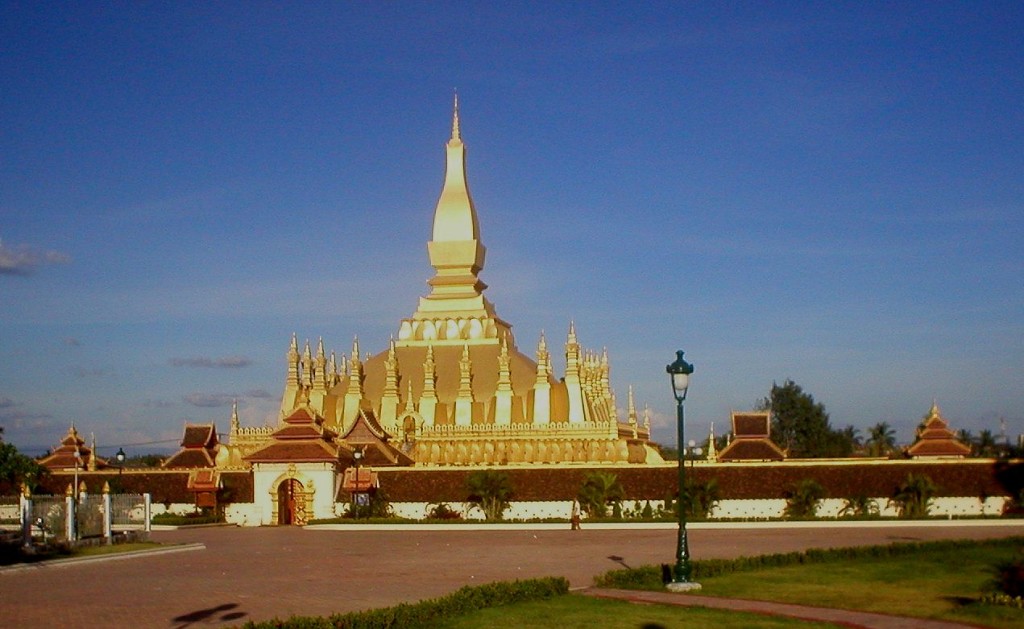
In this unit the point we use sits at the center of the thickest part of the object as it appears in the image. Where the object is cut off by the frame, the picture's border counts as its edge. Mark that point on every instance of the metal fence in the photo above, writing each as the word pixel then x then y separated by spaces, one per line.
pixel 62 518
pixel 10 510
pixel 49 518
pixel 127 511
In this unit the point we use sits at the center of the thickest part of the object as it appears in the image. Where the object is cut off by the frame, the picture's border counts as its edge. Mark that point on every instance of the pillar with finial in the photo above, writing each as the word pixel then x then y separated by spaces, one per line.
pixel 542 386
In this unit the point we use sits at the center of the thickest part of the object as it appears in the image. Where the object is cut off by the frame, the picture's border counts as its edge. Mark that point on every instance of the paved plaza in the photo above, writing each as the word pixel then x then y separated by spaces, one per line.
pixel 262 573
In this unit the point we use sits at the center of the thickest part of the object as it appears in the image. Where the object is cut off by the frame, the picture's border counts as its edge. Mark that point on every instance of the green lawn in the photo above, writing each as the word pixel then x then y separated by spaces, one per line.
pixel 574 611
pixel 930 584
pixel 942 583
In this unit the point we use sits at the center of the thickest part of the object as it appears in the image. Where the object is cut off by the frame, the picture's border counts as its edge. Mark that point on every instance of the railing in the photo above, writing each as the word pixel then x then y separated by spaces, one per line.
pixel 63 518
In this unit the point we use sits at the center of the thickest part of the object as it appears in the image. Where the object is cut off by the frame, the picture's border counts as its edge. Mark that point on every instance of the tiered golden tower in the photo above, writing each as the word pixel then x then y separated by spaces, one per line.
pixel 452 388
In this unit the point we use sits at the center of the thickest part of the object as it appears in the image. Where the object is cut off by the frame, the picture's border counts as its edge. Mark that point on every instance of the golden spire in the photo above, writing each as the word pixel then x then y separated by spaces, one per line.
pixel 456 134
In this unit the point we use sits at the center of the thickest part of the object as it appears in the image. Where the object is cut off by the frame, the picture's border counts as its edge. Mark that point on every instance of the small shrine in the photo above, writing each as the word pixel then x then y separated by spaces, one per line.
pixel 936 440
pixel 751 440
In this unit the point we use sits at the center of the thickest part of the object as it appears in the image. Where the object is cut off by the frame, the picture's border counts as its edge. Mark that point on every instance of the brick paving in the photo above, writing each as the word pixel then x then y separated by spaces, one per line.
pixel 262 573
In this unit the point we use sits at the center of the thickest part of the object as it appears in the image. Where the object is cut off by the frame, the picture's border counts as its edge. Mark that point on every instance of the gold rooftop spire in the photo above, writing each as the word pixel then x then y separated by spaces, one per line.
pixel 456 310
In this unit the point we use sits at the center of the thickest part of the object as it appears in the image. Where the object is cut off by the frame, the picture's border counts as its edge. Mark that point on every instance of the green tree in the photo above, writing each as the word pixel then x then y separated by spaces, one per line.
pixel 881 439
pixel 599 489
pixel 15 467
pixel 914 496
pixel 800 426
pixel 491 490
pixel 803 500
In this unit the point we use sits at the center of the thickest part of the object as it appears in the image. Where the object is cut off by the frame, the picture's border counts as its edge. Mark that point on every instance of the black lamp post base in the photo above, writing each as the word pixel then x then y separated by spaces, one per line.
pixel 685 586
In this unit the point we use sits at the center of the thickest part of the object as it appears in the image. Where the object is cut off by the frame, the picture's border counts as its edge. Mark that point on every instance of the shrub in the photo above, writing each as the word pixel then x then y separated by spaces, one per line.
pixel 377 506
pixel 802 501
pixel 442 511
pixel 1009 578
pixel 174 519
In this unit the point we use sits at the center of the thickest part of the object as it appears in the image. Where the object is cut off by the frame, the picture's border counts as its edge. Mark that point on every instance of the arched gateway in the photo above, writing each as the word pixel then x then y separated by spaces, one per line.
pixel 291 503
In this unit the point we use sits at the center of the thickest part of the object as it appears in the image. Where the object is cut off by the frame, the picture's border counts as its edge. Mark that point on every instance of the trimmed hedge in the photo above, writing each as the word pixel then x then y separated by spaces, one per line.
pixel 649 577
pixel 426 613
pixel 174 519
pixel 969 477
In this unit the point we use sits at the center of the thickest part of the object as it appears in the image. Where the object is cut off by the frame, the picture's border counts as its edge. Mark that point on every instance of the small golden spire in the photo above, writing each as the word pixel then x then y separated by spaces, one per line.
pixel 456 134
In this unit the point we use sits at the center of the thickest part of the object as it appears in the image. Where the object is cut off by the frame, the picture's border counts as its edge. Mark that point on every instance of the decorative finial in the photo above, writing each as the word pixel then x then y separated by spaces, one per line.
pixel 456 135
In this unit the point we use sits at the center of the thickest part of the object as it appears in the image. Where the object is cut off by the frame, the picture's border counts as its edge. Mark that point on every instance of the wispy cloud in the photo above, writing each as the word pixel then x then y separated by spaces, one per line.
pixel 259 394
pixel 159 404
pixel 24 260
pixel 14 417
pixel 227 362
pixel 72 342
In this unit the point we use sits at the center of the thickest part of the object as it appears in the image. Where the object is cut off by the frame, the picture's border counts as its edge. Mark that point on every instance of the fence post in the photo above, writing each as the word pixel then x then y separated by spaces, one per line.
pixel 108 515
pixel 26 515
pixel 71 508
pixel 149 511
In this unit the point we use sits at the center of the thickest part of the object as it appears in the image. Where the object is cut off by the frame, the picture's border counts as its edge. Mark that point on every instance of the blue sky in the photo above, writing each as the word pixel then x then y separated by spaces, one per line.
pixel 824 192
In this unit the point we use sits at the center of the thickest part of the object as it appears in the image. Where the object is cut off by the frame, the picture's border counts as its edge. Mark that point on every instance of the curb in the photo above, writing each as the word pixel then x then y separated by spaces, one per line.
pixel 638 526
pixel 57 563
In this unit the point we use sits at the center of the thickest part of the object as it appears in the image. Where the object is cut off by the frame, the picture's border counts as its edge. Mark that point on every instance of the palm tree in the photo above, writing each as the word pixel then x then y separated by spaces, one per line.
pixel 852 436
pixel 881 439
pixel 859 506
pixel 599 488
pixel 914 496
pixel 490 490
pixel 803 500
pixel 700 498
pixel 966 437
pixel 986 443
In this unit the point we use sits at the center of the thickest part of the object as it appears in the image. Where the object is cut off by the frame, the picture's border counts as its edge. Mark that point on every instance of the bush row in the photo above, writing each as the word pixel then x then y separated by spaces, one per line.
pixel 427 613
pixel 174 519
pixel 650 577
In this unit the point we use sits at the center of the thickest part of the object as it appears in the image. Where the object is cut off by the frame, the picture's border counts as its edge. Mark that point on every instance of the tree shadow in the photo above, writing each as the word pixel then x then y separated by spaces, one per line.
pixel 619 560
pixel 212 613
pixel 960 601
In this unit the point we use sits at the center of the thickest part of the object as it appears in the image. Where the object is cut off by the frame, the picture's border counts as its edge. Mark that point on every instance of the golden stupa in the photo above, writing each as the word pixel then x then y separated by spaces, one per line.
pixel 453 388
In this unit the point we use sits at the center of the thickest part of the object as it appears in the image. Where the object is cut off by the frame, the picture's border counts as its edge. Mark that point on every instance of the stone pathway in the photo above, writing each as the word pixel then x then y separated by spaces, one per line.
pixel 262 573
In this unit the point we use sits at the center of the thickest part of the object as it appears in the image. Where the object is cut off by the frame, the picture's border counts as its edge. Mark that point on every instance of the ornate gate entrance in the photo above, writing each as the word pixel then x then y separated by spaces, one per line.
pixel 291 502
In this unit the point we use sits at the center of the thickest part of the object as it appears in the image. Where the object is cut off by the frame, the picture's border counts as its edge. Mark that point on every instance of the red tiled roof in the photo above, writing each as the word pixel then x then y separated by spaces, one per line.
pixel 365 481
pixel 297 432
pixel 934 438
pixel 305 451
pixel 746 449
pixel 203 480
pixel 189 457
pixel 753 424
pixel 199 436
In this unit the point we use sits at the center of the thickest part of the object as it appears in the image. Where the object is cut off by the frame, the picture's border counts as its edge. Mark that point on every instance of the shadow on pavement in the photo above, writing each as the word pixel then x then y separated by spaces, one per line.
pixel 205 615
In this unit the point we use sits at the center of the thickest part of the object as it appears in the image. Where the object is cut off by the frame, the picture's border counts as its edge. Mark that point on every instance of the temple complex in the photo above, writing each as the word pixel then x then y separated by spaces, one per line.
pixel 452 387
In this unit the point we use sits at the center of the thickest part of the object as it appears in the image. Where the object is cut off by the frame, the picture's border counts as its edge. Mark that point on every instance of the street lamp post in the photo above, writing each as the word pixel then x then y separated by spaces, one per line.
pixel 693 451
pixel 357 455
pixel 679 370
pixel 120 456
